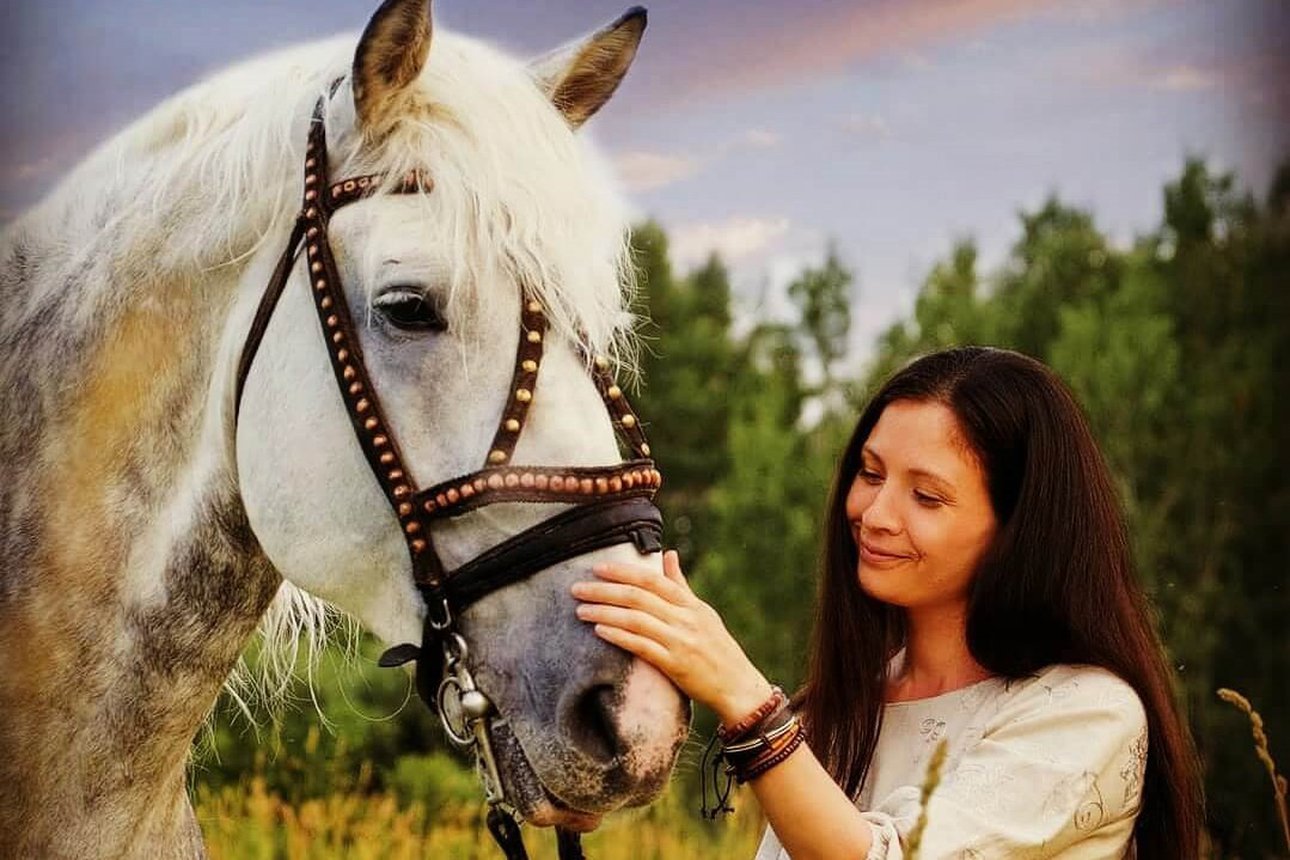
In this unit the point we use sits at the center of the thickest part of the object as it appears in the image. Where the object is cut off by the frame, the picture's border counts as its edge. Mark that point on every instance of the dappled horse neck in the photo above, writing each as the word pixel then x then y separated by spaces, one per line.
pixel 130 579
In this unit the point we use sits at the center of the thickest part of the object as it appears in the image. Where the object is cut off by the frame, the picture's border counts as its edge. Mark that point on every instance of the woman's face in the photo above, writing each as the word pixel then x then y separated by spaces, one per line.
pixel 919 508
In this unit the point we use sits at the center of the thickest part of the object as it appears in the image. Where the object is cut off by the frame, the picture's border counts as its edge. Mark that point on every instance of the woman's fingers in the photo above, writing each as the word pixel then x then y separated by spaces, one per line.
pixel 642 646
pixel 631 620
pixel 660 620
pixel 672 568
pixel 630 596
pixel 643 577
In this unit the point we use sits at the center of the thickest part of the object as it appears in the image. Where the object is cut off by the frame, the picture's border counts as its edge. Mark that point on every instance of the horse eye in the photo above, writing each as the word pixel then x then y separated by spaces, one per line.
pixel 410 311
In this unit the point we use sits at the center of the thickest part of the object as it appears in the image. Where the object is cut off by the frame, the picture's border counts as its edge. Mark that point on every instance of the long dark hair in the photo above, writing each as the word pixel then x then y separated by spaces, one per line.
pixel 1055 586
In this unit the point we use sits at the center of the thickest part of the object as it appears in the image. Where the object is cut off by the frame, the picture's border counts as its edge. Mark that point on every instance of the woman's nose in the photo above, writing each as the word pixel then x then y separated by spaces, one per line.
pixel 880 514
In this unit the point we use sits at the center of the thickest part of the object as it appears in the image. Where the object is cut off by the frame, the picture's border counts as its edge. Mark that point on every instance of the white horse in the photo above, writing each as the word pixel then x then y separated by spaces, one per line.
pixel 146 530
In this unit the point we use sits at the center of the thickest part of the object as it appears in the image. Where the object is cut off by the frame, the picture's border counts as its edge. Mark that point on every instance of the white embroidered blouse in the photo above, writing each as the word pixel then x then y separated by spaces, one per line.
pixel 1048 766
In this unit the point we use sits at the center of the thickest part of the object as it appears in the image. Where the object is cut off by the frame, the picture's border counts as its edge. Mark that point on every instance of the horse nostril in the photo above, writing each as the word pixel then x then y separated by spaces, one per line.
pixel 589 723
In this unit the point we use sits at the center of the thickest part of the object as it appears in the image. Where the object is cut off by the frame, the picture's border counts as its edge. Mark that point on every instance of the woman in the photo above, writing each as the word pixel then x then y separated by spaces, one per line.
pixel 977 588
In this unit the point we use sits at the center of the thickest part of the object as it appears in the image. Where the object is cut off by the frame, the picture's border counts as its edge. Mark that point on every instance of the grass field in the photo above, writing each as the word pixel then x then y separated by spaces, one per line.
pixel 248 822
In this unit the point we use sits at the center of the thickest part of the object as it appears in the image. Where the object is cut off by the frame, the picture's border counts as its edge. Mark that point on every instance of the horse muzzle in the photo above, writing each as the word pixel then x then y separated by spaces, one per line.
pixel 613 745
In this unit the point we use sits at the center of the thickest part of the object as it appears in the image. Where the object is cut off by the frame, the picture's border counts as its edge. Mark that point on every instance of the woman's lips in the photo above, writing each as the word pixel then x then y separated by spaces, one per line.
pixel 871 554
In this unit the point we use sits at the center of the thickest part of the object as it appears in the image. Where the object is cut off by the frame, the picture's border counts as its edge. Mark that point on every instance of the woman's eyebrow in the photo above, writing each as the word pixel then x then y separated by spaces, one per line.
pixel 932 476
pixel 872 453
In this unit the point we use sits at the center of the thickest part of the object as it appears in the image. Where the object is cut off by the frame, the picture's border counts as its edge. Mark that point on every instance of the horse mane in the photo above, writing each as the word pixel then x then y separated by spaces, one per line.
pixel 529 201
pixel 211 176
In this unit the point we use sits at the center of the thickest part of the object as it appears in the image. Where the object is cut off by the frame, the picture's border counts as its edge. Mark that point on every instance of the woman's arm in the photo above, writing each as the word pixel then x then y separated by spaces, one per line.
pixel 662 621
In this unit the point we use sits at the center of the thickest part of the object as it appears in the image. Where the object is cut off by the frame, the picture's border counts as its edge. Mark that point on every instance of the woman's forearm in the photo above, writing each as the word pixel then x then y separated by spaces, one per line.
pixel 813 818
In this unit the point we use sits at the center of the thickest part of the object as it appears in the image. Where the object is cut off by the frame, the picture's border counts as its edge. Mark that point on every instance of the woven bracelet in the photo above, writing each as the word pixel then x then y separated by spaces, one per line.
pixel 728 735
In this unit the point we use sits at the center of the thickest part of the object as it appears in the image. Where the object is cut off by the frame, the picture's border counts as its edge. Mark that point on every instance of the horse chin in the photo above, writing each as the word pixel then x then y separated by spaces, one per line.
pixel 525 791
pixel 550 814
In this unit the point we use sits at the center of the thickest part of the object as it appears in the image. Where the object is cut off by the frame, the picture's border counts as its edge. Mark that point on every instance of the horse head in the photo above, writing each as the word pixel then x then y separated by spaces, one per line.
pixel 449 202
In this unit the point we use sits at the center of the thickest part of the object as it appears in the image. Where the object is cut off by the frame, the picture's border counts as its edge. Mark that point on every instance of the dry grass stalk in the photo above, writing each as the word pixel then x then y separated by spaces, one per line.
pixel 1261 750
pixel 248 821
pixel 930 782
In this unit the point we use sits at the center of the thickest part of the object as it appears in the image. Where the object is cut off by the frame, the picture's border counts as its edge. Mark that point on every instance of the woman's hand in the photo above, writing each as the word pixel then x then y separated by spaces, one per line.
pixel 660 620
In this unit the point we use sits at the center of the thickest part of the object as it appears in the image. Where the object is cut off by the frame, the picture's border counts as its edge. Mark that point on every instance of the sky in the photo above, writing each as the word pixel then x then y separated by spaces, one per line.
pixel 767 130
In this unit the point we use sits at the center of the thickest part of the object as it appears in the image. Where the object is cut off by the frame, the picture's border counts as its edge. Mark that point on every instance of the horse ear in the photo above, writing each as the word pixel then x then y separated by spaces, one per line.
pixel 390 55
pixel 580 78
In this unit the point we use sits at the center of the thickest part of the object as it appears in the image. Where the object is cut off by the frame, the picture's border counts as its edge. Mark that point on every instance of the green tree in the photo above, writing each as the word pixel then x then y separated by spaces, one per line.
pixel 823 299
pixel 686 365
pixel 1225 261
pixel 1060 258
pixel 763 522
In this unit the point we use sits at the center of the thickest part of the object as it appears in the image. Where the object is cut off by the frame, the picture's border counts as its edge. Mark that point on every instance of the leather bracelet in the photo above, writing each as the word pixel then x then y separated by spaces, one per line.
pixel 730 734
pixel 767 737
pixel 758 768
pixel 762 751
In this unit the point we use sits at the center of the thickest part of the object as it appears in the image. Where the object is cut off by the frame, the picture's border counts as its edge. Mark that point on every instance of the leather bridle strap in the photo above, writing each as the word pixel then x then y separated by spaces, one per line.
pixel 264 311
pixel 574 532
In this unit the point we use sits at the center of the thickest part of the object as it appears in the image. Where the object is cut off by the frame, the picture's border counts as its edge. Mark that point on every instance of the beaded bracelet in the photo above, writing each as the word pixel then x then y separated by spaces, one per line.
pixel 733 733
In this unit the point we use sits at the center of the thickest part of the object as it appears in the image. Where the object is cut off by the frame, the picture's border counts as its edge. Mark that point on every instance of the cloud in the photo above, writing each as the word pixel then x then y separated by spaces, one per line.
pixel 735 239
pixel 787 43
pixel 1099 11
pixel 916 61
pixel 1120 66
pixel 1184 79
pixel 865 126
pixel 37 168
pixel 645 171
pixel 760 138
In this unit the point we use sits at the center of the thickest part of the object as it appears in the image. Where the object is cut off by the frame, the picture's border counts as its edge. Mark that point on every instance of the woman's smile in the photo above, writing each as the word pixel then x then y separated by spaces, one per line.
pixel 875 555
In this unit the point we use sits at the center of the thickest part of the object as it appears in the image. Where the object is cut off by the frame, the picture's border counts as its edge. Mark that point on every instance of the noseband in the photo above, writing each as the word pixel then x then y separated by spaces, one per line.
pixel 610 504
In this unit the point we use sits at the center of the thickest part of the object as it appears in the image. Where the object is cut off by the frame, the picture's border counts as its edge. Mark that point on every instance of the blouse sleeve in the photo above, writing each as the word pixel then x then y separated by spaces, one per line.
pixel 1058 771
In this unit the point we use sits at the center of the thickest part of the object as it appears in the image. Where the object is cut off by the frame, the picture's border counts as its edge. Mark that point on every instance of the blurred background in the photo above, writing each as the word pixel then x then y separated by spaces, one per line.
pixel 824 190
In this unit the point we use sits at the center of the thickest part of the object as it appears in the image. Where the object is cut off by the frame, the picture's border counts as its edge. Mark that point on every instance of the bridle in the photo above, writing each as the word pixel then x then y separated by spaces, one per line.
pixel 610 504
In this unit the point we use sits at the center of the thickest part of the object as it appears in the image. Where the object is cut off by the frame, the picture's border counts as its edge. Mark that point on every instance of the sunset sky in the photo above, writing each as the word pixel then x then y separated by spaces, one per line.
pixel 764 130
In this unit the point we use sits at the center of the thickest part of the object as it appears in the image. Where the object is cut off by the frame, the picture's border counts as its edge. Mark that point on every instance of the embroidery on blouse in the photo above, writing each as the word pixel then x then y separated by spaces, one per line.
pixel 1134 769
pixel 932 730
pixel 1058 693
pixel 1081 792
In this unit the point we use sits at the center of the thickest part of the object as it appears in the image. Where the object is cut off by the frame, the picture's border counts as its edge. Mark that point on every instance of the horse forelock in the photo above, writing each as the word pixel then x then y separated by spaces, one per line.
pixel 528 201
